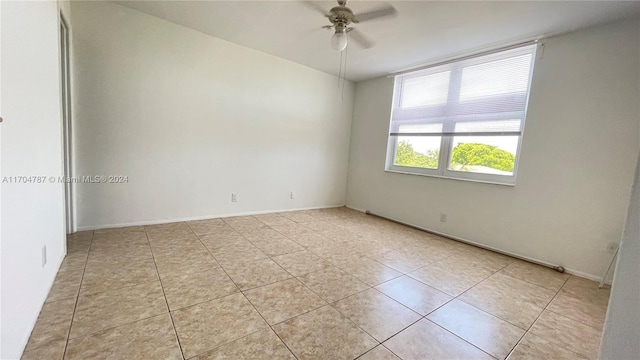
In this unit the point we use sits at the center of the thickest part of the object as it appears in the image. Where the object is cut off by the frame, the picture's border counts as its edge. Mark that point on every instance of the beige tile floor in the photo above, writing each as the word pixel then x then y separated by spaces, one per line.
pixel 320 284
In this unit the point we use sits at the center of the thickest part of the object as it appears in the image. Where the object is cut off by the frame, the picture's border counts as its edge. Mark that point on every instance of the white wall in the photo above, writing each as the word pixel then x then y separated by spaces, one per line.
pixel 190 118
pixel 32 214
pixel 622 325
pixel 578 154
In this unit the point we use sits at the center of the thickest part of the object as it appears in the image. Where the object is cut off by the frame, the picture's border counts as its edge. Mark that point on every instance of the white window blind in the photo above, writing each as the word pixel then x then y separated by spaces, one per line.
pixel 464 118
pixel 481 96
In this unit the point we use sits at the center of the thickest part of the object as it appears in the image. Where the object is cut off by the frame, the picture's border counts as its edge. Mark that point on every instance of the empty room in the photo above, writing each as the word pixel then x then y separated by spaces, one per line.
pixel 319 180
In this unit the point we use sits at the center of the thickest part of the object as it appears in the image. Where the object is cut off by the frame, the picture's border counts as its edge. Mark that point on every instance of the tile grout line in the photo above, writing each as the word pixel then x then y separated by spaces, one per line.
pixel 407 274
pixel 75 306
pixel 321 297
pixel 375 347
pixel 296 276
pixel 529 282
pixel 476 284
pixel 245 296
pixel 175 332
pixel 488 313
pixel 299 224
pixel 578 321
pixel 528 330
pixel 267 257
pixel 454 334
pixel 547 306
pixel 331 242
pixel 229 342
pixel 573 297
pixel 358 326
pixel 557 292
pixel 270 327
pixel 425 317
pixel 330 304
pixel 380 343
pixel 118 288
pixel 484 311
pixel 327 303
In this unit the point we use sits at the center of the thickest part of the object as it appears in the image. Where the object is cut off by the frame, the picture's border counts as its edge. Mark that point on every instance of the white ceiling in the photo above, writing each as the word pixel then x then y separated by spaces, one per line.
pixel 422 32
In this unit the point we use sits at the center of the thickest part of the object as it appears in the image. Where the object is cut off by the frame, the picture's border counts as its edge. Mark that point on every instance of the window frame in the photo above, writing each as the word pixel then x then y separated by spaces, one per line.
pixel 446 139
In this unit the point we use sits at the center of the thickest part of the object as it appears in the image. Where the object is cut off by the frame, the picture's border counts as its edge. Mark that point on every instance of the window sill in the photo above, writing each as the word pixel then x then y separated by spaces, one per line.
pixel 491 182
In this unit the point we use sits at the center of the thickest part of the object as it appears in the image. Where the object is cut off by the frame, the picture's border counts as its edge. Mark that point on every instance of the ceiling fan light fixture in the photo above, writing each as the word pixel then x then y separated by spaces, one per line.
pixel 339 40
pixel 341 17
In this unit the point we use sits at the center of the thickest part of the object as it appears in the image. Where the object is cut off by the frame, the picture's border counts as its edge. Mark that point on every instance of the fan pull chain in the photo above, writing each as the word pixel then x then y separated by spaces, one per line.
pixel 340 69
pixel 344 73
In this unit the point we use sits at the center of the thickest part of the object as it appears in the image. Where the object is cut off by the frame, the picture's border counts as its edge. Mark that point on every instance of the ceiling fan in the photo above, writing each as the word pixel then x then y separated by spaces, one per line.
pixel 341 17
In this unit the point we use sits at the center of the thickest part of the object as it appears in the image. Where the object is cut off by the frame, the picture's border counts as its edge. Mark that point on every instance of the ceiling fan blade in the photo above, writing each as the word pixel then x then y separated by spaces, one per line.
pixel 384 11
pixel 315 6
pixel 359 38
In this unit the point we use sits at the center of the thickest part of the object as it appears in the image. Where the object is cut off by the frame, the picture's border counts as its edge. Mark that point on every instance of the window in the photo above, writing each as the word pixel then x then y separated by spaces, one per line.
pixel 463 119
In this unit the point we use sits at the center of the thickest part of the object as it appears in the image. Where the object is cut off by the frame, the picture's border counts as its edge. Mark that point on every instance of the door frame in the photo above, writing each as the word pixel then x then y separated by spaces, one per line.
pixel 67 128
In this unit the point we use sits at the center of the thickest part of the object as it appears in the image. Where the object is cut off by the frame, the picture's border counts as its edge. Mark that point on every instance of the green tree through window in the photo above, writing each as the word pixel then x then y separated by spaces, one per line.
pixel 407 156
pixel 482 155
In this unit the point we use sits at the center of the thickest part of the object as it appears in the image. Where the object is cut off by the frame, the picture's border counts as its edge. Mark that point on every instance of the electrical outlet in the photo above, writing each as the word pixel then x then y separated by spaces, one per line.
pixel 44 255
pixel 443 217
pixel 612 246
pixel 234 197
pixel 291 196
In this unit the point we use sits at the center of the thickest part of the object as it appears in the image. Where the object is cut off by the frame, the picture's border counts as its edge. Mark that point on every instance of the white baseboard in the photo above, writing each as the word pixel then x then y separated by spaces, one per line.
pixel 248 213
pixel 508 253
pixel 193 218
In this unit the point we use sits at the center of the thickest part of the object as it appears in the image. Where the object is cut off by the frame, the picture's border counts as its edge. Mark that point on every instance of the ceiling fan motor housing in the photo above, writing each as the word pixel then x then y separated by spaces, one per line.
pixel 341 15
